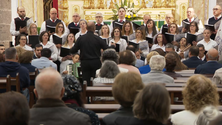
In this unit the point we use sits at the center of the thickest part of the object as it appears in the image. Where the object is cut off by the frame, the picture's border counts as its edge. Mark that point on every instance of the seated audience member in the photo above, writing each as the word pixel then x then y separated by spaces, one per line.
pixel 169 48
pixel 217 121
pixel 12 67
pixel 146 69
pixel 147 108
pixel 25 60
pixel 22 41
pixel 198 93
pixel 14 109
pixel 110 54
pixel 2 48
pixel 217 78
pixel 2 58
pixel 207 115
pixel 160 51
pixel 44 61
pixel 139 63
pixel 126 61
pixel 37 51
pixel 211 65
pixel 49 90
pixel 207 41
pixel 171 63
pixel 120 89
pixel 201 55
pixel 193 61
pixel 138 55
pixel 179 66
pixel 156 75
pixel 107 73
pixel 72 98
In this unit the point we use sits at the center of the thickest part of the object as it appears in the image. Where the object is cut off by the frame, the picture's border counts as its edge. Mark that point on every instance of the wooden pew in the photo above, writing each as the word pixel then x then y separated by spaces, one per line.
pixel 32 76
pixel 5 83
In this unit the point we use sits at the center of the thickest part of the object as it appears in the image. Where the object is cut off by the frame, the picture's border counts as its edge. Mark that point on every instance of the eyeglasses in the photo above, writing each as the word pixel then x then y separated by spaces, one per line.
pixel 75 16
pixel 215 9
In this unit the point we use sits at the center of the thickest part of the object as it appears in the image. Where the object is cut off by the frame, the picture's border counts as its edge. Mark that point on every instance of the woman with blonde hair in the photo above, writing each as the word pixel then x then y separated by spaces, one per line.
pixel 32 29
pixel 127 30
pixel 59 32
pixel 105 34
pixel 151 107
pixel 198 93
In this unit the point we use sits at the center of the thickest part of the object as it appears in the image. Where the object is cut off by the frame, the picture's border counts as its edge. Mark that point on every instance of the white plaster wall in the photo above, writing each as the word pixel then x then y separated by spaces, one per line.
pixel 14 5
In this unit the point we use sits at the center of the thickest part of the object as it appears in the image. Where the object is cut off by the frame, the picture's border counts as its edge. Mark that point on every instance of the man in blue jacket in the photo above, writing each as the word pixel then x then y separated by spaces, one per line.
pixel 12 67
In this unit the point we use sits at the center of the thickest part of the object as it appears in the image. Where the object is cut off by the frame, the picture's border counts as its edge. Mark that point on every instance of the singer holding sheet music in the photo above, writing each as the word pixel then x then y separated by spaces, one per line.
pixel 127 30
pixel 44 39
pixel 83 30
pixel 59 32
pixel 142 43
pixel 160 42
pixel 119 43
pixel 105 31
pixel 22 40
pixel 50 24
pixel 193 29
pixel 173 29
pixel 150 28
pixel 33 38
pixel 19 24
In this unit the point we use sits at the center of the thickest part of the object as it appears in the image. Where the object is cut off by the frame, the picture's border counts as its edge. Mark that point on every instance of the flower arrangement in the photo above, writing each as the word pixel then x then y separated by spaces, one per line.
pixel 131 13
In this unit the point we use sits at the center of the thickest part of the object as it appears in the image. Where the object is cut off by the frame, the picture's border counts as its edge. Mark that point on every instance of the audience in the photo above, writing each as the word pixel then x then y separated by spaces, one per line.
pixel 151 107
pixel 49 107
pixel 198 93
pixel 12 67
pixel 171 63
pixel 44 61
pixel 169 48
pixel 72 98
pixel 201 55
pixel 25 60
pixel 14 109
pixel 2 48
pixel 107 73
pixel 156 75
pixel 37 51
pixel 124 89
pixel 193 61
pixel 179 66
pixel 208 114
pixel 126 61
pixel 217 78
pixel 211 65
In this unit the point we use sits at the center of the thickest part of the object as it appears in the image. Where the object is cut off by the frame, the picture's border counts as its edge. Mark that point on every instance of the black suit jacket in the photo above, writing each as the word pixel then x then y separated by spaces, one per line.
pixel 90 46
pixel 212 21
pixel 208 68
pixel 193 62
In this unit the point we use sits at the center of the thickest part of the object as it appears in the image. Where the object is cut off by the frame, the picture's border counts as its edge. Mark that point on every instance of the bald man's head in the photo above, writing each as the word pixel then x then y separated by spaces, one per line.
pixel 21 12
pixel 91 26
pixel 53 13
pixel 212 54
pixel 146 17
pixel 217 10
pixel 49 84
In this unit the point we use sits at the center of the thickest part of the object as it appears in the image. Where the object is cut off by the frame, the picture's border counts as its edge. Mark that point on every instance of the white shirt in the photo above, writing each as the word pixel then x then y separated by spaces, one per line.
pixel 26 47
pixel 79 33
pixel 122 42
pixel 185 117
pixel 13 29
pixel 111 25
pixel 53 48
pixel 142 43
pixel 64 37
pixel 155 46
pixel 43 27
pixel 202 57
pixel 209 45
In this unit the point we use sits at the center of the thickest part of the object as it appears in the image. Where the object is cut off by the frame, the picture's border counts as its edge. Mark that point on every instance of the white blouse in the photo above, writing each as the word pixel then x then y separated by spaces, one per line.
pixel 143 45
pixel 26 47
pixel 155 46
pixel 121 42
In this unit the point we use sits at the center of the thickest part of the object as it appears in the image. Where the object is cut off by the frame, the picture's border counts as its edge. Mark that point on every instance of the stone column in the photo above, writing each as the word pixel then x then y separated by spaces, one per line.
pixel 5 14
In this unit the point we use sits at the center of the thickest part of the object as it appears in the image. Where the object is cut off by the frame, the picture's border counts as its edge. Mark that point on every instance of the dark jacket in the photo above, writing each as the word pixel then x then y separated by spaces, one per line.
pixel 12 68
pixel 135 121
pixel 55 112
pixel 30 67
pixel 90 46
pixel 110 119
pixel 208 68
pixel 193 62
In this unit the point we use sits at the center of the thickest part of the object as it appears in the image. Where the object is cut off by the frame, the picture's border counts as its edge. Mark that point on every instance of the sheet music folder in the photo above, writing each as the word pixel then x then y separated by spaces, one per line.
pixel 57 40
pixel 169 37
pixel 74 30
pixel 136 45
pixel 51 29
pixel 64 52
pixel 120 25
pixel 210 27
pixel 33 40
